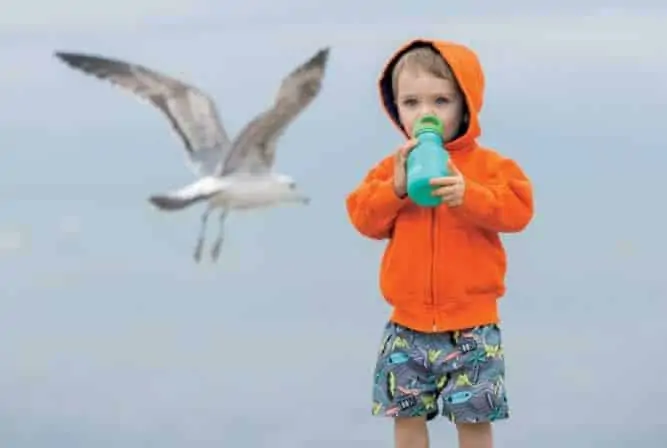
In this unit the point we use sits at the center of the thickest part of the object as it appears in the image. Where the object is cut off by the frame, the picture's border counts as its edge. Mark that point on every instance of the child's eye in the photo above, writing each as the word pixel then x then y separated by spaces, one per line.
pixel 409 102
pixel 441 100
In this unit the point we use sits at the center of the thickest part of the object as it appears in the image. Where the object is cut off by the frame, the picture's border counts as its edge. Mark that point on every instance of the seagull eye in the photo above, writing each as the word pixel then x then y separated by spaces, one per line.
pixel 292 185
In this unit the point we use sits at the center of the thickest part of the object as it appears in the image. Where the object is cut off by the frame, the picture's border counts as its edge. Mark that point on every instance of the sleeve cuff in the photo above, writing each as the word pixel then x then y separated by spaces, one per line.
pixel 476 199
pixel 386 200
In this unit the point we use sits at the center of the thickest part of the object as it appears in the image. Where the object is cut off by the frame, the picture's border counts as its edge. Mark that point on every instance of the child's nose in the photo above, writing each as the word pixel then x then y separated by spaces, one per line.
pixel 427 110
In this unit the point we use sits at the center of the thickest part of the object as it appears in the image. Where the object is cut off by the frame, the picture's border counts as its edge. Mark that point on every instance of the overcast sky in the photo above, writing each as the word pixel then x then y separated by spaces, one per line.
pixel 113 337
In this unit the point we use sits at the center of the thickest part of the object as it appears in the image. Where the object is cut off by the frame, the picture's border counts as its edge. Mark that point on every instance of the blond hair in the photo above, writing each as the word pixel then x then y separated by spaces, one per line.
pixel 424 59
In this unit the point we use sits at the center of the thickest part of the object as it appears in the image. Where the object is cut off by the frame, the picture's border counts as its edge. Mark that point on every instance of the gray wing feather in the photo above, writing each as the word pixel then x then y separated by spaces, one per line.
pixel 254 150
pixel 192 113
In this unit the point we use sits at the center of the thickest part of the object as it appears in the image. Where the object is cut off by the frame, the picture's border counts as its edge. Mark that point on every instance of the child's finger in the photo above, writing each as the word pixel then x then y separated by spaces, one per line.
pixel 452 168
pixel 443 191
pixel 444 181
pixel 407 147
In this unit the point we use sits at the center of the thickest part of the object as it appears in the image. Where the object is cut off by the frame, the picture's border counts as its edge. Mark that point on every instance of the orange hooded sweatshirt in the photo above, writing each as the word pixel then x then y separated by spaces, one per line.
pixel 444 268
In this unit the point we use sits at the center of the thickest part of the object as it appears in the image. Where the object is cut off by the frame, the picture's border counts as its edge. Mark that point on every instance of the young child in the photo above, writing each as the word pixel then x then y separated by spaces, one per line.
pixel 443 269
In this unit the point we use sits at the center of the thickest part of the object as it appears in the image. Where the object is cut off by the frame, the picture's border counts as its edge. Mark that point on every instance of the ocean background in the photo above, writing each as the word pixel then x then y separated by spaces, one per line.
pixel 113 337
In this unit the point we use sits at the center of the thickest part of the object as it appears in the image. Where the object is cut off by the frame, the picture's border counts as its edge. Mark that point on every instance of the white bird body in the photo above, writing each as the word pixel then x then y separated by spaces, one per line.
pixel 239 191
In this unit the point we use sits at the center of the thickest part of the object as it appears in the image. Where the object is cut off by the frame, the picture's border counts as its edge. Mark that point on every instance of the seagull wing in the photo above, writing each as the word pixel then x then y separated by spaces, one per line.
pixel 255 148
pixel 191 112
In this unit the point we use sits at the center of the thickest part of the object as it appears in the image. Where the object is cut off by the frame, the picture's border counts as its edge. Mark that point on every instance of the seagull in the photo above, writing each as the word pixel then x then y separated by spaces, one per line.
pixel 231 175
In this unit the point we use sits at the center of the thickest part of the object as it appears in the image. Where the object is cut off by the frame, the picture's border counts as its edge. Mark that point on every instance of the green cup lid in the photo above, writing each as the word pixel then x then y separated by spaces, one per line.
pixel 428 123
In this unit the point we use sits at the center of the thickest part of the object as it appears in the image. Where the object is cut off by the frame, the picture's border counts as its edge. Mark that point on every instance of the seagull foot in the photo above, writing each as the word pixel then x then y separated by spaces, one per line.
pixel 215 251
pixel 198 251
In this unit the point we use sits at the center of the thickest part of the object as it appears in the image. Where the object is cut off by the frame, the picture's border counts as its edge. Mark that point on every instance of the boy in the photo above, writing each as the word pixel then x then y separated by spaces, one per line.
pixel 443 269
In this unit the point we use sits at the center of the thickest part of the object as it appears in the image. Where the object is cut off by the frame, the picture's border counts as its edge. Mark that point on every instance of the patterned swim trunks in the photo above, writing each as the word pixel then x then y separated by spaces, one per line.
pixel 465 369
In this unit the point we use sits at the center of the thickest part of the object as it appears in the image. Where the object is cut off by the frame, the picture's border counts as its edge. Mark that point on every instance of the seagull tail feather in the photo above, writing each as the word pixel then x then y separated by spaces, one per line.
pixel 201 190
pixel 167 202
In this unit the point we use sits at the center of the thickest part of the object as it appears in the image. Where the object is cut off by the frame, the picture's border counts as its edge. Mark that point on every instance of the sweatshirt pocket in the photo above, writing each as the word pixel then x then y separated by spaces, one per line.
pixel 403 275
pixel 486 258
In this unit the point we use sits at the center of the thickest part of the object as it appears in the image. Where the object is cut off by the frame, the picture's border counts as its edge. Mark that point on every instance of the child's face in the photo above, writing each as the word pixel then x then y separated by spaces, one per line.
pixel 420 93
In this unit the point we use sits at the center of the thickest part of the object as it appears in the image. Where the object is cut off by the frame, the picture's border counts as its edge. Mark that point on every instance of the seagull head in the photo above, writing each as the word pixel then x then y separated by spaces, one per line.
pixel 290 190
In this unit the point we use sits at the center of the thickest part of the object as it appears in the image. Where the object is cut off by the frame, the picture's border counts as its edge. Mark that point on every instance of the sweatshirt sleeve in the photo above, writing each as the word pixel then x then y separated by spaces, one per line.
pixel 373 206
pixel 502 204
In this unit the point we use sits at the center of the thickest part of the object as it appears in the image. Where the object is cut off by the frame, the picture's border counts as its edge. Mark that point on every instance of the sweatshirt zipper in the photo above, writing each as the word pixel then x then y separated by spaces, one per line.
pixel 433 250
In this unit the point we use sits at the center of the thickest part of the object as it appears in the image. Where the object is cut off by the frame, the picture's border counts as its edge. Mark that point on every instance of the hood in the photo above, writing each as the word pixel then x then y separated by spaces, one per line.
pixel 468 72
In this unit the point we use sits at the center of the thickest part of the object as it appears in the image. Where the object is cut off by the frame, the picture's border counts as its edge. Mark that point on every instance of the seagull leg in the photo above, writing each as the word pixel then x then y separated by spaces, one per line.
pixel 202 234
pixel 215 252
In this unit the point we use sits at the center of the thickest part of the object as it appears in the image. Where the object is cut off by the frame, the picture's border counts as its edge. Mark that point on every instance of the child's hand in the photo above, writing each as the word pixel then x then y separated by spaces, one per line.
pixel 450 188
pixel 400 187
